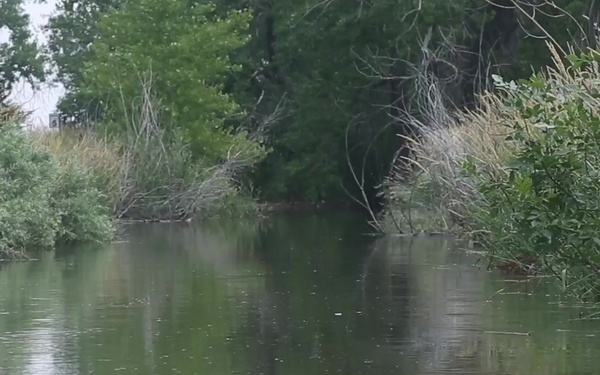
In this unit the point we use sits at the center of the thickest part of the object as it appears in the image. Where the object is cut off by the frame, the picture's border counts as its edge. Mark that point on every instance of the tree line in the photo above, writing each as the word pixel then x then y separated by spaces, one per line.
pixel 329 83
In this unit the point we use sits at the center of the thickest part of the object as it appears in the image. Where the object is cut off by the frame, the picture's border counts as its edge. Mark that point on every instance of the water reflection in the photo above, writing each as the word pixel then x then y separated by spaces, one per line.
pixel 309 294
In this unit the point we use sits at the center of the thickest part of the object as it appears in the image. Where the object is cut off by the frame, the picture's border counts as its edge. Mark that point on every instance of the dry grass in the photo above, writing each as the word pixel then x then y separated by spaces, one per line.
pixel 439 184
pixel 436 195
pixel 104 160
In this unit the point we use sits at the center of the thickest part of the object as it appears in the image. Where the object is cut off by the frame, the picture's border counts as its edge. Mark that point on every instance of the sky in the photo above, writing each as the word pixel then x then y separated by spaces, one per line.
pixel 41 102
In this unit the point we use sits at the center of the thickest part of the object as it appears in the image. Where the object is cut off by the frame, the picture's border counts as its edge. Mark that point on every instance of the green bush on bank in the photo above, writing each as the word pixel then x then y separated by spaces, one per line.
pixel 544 210
pixel 522 174
pixel 42 203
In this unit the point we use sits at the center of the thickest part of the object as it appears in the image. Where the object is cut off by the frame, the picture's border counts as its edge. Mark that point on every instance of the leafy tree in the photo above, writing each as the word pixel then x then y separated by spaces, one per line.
pixel 72 31
pixel 349 74
pixel 341 67
pixel 186 47
pixel 20 56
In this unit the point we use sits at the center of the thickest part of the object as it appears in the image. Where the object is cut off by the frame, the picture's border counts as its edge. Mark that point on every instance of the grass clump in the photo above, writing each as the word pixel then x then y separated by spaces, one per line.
pixel 44 203
pixel 102 160
pixel 522 174
pixel 435 195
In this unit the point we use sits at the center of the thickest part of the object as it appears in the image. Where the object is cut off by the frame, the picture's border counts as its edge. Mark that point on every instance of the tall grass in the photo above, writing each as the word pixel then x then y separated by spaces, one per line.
pixel 434 197
pixel 147 172
pixel 102 159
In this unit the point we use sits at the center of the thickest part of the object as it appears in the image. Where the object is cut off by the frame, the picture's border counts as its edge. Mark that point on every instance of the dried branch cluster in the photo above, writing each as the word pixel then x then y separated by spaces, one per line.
pixel 160 181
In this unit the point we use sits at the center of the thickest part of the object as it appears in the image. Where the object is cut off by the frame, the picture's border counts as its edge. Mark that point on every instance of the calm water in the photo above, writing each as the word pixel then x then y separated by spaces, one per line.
pixel 291 295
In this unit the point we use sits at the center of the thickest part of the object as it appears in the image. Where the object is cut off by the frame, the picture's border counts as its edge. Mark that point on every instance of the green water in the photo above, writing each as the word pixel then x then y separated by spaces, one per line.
pixel 295 294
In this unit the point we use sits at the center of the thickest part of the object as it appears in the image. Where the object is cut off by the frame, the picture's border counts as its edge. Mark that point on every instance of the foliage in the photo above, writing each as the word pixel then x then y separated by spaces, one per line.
pixel 520 174
pixel 347 75
pixel 339 66
pixel 435 194
pixel 20 56
pixel 72 31
pixel 100 158
pixel 83 216
pixel 42 203
pixel 155 70
pixel 544 209
pixel 149 173
pixel 163 180
pixel 188 48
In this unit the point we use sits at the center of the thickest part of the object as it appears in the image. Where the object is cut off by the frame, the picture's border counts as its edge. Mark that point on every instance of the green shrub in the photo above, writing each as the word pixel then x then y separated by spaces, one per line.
pixel 543 211
pixel 42 204
pixel 83 215
pixel 521 175
pixel 26 217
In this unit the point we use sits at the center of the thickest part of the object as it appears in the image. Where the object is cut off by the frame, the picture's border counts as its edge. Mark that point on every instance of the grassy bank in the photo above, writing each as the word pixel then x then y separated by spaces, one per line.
pixel 520 175
pixel 150 178
pixel 69 186
pixel 146 168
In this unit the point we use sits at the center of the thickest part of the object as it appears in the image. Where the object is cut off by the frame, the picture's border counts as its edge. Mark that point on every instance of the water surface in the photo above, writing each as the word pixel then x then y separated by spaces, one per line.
pixel 294 294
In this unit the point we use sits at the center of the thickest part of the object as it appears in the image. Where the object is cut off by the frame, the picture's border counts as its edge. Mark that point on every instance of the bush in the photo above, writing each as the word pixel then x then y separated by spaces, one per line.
pixel 42 204
pixel 543 211
pixel 163 179
pixel 521 174
pixel 83 215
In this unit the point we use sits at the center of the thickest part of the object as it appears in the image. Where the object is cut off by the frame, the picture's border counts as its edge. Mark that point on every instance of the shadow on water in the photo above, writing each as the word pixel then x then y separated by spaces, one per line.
pixel 294 294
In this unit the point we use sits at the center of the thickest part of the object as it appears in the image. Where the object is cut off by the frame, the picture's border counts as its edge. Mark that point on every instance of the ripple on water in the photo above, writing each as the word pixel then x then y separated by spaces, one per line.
pixel 302 295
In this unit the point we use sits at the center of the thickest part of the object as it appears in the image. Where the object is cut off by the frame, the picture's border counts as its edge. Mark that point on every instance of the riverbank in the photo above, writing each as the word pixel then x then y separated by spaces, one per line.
pixel 519 176
pixel 74 186
pixel 110 182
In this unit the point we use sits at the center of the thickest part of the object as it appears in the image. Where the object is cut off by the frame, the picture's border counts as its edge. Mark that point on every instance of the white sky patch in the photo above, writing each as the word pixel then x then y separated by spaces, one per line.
pixel 41 102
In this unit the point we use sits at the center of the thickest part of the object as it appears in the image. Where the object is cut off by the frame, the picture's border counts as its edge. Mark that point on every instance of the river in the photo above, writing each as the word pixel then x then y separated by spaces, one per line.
pixel 306 294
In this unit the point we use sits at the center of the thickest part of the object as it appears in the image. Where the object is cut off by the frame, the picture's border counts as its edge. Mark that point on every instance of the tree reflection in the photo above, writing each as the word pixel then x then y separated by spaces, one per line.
pixel 296 294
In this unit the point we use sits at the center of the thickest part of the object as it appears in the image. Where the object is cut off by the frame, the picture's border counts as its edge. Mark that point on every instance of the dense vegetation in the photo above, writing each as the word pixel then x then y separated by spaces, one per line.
pixel 543 210
pixel 200 102
pixel 520 175
pixel 44 202
pixel 329 85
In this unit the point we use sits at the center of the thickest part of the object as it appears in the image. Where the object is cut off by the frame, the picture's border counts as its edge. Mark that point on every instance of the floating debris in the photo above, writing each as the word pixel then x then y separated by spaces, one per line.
pixel 509 333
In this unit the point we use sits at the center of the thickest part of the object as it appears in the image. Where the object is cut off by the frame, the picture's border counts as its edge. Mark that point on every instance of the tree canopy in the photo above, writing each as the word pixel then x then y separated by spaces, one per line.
pixel 20 55
pixel 342 78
